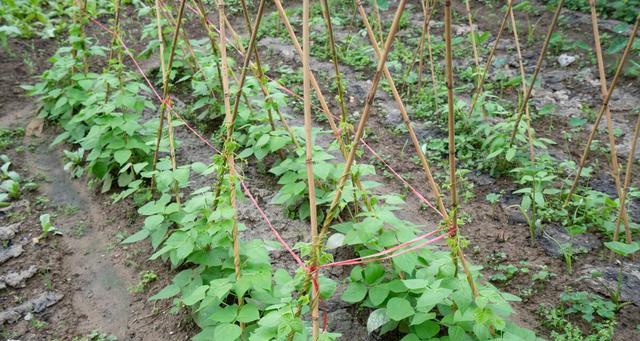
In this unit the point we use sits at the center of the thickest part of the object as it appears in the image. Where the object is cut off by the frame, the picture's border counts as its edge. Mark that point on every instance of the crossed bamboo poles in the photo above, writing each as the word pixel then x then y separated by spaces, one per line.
pixel 309 81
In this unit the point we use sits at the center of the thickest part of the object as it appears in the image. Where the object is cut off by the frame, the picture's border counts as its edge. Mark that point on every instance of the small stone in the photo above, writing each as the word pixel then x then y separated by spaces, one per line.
pixel 607 281
pixel 553 238
pixel 28 317
pixel 7 232
pixel 565 60
pixel 13 251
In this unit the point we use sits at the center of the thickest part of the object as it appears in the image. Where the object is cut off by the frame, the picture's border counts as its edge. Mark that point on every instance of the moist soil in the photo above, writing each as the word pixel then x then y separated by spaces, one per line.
pixel 91 274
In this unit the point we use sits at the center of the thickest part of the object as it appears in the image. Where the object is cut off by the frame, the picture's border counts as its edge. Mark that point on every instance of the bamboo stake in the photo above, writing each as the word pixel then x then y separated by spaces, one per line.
pixel 163 106
pixel 356 139
pixel 414 139
pixel 603 89
pixel 334 56
pixel 376 11
pixel 114 46
pixel 427 13
pixel 247 57
pixel 331 212
pixel 432 68
pixel 262 80
pixel 474 45
pixel 627 180
pixel 527 95
pixel 605 103
pixel 313 215
pixel 452 145
pixel 323 103
pixel 523 76
pixel 230 121
pixel 487 65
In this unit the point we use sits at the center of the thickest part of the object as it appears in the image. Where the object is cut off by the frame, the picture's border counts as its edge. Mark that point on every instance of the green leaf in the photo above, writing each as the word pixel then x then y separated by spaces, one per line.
pixel 355 292
pixel 377 319
pixel 399 309
pixel 122 156
pixel 511 153
pixel 225 314
pixel 248 313
pixel 623 249
pixel 136 237
pixel 227 332
pixel 168 291
pixel 196 296
pixel 378 294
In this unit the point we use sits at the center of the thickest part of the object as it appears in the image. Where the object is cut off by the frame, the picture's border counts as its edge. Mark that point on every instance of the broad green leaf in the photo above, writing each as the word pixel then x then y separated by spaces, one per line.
pixel 377 319
pixel 196 296
pixel 623 249
pixel 378 294
pixel 248 313
pixel 399 308
pixel 122 156
pixel 227 332
pixel 355 292
pixel 168 291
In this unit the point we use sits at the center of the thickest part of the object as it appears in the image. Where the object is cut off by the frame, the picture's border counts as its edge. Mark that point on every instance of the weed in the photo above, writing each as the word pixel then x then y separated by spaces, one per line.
pixel 146 277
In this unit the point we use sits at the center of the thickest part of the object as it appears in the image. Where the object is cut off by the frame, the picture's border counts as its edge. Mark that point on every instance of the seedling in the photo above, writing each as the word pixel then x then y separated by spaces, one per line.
pixel 47 228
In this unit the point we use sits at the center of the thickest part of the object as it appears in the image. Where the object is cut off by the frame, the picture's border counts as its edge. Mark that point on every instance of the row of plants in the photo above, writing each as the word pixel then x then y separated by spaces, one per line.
pixel 420 294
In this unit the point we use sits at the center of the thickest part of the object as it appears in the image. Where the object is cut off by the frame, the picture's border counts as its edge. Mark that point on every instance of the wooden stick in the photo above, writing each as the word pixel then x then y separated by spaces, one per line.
pixel 452 145
pixel 247 58
pixel 414 139
pixel 262 82
pixel 323 103
pixel 523 76
pixel 334 57
pixel 605 103
pixel 313 214
pixel 331 212
pixel 627 180
pixel 487 65
pixel 615 169
pixel 525 101
pixel 163 107
pixel 230 122
pixel 474 45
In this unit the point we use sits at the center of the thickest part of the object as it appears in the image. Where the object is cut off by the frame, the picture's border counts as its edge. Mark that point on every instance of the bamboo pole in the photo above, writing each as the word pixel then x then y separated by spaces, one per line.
pixel 474 44
pixel 331 212
pixel 605 103
pixel 334 57
pixel 164 105
pixel 427 13
pixel 615 169
pixel 230 160
pixel 313 215
pixel 525 101
pixel 405 117
pixel 487 65
pixel 432 67
pixel 114 46
pixel 247 57
pixel 323 103
pixel 523 76
pixel 452 145
pixel 627 180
